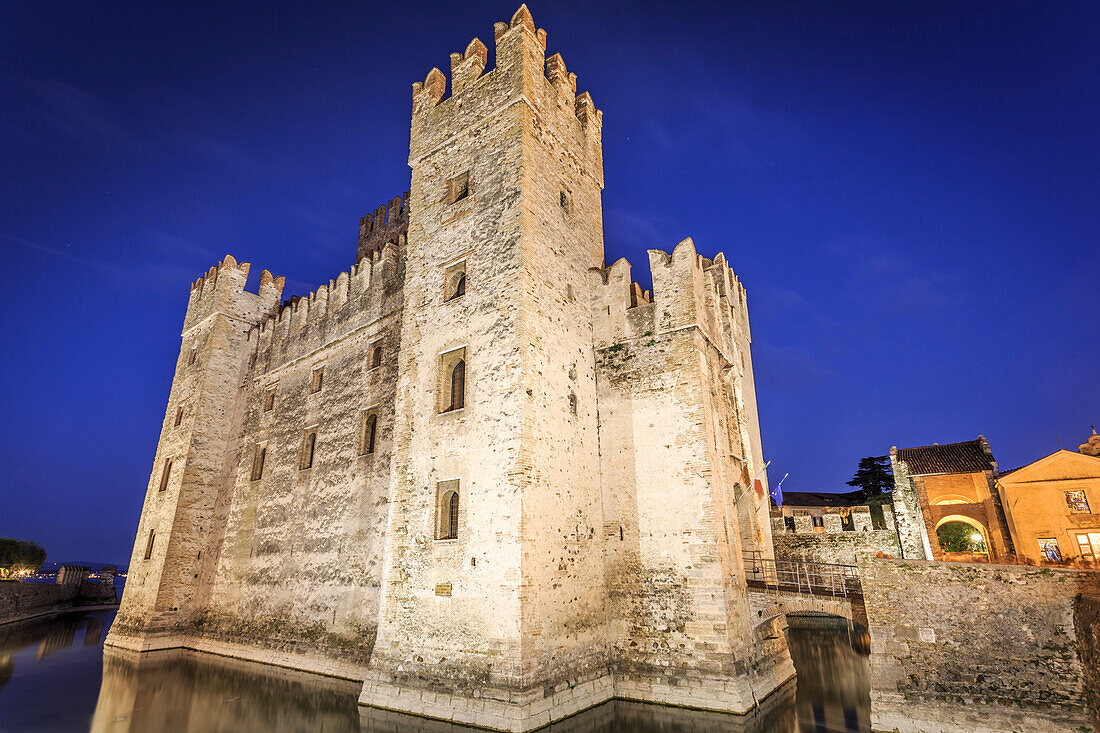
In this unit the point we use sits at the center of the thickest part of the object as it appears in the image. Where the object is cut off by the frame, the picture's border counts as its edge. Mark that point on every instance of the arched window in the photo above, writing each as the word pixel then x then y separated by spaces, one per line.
pixel 458 386
pixel 376 358
pixel 371 431
pixel 308 446
pixel 449 528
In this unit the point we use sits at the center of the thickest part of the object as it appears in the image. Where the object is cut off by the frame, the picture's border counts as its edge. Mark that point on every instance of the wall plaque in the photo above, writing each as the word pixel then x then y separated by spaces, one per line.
pixel 443 589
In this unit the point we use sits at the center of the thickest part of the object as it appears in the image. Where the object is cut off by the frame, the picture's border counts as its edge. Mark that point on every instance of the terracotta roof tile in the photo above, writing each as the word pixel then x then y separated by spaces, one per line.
pixel 966 457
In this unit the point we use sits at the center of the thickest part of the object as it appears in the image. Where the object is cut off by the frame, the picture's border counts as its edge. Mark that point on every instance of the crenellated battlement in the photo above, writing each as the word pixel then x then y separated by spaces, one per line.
pixel 688 289
pixel 221 290
pixel 386 225
pixel 310 318
pixel 521 67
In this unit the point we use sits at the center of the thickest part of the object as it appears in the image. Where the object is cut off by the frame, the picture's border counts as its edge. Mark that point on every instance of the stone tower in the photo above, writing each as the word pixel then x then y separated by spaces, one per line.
pixel 506 191
pixel 179 534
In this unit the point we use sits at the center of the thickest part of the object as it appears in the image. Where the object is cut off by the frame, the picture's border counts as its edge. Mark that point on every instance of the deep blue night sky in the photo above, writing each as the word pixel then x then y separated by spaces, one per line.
pixel 907 190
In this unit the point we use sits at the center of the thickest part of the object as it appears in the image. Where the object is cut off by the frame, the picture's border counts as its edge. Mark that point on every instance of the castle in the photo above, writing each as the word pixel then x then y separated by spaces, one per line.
pixel 483 473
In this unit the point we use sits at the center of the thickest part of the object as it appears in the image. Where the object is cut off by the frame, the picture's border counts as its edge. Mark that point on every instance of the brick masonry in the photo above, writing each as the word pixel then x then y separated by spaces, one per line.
pixel 588 403
pixel 975 647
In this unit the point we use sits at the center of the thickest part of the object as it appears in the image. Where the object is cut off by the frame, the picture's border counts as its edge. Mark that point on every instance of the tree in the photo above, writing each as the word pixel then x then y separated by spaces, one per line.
pixel 19 555
pixel 960 537
pixel 874 475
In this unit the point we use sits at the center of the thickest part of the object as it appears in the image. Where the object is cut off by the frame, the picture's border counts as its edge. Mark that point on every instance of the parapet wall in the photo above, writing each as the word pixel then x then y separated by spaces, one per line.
pixel 835 535
pixel 221 290
pixel 387 225
pixel 20 601
pixel 969 647
pixel 350 300
pixel 688 289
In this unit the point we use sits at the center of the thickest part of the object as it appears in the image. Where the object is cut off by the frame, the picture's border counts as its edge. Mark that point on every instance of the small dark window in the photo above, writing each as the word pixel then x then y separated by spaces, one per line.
pixel 376 357
pixel 563 199
pixel 179 416
pixel 370 432
pixel 308 446
pixel 317 381
pixel 269 400
pixel 192 356
pixel 458 288
pixel 165 475
pixel 458 386
pixel 258 459
pixel 458 188
pixel 573 403
pixel 149 544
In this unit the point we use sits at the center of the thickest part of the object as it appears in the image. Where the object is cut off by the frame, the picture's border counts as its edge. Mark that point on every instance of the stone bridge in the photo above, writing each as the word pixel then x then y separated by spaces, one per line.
pixel 780 587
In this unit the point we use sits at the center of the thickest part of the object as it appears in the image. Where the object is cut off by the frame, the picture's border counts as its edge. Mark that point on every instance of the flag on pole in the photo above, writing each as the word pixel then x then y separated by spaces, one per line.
pixel 777 490
pixel 757 484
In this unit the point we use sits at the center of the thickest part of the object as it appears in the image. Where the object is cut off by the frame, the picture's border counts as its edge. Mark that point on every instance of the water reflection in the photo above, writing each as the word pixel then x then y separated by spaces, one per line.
pixel 50 671
pixel 62 659
pixel 830 657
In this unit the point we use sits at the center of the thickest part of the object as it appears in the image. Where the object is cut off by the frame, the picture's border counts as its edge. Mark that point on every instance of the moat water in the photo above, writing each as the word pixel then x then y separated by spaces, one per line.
pixel 54 676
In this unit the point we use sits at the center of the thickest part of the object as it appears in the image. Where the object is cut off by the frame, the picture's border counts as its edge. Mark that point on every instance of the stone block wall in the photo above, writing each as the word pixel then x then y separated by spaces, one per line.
pixel 966 647
pixel 19 601
pixel 832 542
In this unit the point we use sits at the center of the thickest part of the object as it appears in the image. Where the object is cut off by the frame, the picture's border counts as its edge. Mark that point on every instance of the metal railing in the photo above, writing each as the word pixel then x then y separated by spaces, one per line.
pixel 803 577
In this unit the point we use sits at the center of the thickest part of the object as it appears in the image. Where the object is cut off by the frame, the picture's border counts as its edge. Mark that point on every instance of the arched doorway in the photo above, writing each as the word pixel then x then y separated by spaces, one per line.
pixel 963 538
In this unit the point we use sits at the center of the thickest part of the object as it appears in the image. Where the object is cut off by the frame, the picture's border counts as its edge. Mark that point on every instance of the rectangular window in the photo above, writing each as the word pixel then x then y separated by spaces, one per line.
pixel 1089 544
pixel 179 416
pixel 1048 548
pixel 458 188
pixel 309 446
pixel 1077 502
pixel 375 354
pixel 446 510
pixel 368 432
pixel 192 356
pixel 149 544
pixel 317 380
pixel 165 474
pixel 269 400
pixel 258 458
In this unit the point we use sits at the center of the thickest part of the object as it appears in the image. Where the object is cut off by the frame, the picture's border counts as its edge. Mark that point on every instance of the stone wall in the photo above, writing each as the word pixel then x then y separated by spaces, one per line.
pixel 1086 622
pixel 966 647
pixel 20 601
pixel 833 541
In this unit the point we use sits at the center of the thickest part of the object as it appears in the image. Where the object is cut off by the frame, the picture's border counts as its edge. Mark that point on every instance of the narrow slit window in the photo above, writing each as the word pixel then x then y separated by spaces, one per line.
pixel 191 357
pixel 376 357
pixel 149 544
pixel 269 400
pixel 165 474
pixel 572 403
pixel 447 504
pixel 458 386
pixel 179 416
pixel 370 433
pixel 309 445
pixel 258 458
pixel 317 380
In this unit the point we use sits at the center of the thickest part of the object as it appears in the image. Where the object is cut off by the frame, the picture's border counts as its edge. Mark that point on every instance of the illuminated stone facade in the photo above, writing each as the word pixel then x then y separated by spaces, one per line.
pixel 480 472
